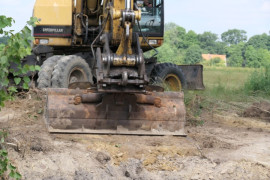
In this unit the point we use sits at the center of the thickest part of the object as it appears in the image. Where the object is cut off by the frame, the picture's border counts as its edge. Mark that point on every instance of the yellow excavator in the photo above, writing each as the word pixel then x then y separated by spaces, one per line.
pixel 92 61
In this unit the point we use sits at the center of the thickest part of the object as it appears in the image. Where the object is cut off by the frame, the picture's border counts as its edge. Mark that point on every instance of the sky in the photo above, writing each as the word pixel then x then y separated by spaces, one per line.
pixel 216 16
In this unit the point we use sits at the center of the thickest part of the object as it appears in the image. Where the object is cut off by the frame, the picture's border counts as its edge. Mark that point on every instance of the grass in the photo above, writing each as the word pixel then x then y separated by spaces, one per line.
pixel 259 82
pixel 225 91
pixel 224 83
pixel 230 78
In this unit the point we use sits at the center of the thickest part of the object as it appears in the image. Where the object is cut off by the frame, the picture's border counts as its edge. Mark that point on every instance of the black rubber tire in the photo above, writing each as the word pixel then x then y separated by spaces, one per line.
pixel 162 70
pixel 63 73
pixel 45 73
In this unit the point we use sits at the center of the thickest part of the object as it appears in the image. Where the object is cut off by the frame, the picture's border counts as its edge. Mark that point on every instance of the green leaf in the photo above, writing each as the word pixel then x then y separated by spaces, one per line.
pixel 5 82
pixel 32 68
pixel 32 21
pixel 17 45
pixel 17 175
pixel 4 153
pixel 17 80
pixel 2 140
pixel 25 86
pixel 25 69
pixel 26 79
pixel 30 38
pixel 11 167
pixel 3 60
pixel 12 174
pixel 37 68
pixel 12 89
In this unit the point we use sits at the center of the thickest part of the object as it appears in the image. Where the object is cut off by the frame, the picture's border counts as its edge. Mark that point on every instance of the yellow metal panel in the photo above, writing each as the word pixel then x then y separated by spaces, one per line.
pixel 144 44
pixel 118 31
pixel 53 12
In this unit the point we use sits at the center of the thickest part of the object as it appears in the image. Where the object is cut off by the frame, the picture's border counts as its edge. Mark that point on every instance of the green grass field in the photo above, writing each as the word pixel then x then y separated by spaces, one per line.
pixel 226 84
pixel 228 77
pixel 224 92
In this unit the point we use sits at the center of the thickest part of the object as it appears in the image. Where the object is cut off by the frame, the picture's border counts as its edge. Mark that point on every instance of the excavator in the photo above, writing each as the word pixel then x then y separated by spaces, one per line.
pixel 96 75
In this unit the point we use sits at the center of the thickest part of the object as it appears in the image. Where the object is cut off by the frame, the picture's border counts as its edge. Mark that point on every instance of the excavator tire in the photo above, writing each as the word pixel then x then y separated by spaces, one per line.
pixel 70 69
pixel 45 74
pixel 170 76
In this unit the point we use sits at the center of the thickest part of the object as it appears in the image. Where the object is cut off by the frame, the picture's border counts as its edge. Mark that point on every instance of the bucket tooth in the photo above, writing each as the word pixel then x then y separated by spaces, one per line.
pixel 116 113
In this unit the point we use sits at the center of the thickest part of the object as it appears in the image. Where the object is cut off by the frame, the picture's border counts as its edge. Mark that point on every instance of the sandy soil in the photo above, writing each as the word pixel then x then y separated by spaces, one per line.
pixel 224 147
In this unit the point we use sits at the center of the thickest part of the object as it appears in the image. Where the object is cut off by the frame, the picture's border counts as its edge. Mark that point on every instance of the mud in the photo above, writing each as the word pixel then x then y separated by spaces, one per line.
pixel 224 147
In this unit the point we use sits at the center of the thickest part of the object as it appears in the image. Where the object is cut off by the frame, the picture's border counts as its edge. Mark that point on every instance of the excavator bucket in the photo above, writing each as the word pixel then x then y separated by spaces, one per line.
pixel 83 111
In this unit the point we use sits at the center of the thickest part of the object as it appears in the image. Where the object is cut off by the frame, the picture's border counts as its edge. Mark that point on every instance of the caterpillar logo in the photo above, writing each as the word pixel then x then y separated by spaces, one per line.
pixel 52 31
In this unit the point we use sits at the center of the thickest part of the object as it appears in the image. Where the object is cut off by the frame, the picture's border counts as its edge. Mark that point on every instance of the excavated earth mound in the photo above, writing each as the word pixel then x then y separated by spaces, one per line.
pixel 259 109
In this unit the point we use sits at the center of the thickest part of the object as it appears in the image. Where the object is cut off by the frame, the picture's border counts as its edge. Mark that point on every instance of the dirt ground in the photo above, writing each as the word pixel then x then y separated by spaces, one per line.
pixel 225 146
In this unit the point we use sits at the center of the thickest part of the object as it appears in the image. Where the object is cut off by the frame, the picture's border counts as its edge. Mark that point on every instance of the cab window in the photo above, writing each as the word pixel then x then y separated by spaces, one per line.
pixel 152 21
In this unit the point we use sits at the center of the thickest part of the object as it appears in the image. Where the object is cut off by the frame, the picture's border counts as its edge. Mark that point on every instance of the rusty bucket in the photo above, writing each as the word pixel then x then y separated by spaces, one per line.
pixel 79 111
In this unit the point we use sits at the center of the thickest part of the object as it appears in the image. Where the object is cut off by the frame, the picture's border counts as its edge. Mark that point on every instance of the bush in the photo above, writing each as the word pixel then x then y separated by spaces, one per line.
pixel 259 81
pixel 16 48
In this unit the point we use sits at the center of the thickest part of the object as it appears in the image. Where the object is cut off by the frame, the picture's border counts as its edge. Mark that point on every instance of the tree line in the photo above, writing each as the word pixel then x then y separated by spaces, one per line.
pixel 186 47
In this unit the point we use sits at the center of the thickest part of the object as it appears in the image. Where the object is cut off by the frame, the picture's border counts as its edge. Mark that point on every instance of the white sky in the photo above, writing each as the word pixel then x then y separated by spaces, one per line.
pixel 216 16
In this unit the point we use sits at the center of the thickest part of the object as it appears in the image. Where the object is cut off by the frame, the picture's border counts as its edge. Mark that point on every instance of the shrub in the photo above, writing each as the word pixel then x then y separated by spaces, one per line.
pixel 16 48
pixel 259 81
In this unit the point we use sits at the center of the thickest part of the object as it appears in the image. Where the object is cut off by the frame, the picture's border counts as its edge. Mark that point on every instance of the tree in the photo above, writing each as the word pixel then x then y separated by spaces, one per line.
pixel 259 41
pixel 193 55
pixel 252 58
pixel 257 58
pixel 168 53
pixel 208 41
pixel 264 56
pixel 191 38
pixel 220 48
pixel 170 26
pixel 175 36
pixel 234 36
pixel 235 55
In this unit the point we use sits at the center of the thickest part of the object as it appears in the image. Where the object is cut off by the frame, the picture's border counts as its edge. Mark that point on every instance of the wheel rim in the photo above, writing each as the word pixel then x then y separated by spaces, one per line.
pixel 172 82
pixel 77 75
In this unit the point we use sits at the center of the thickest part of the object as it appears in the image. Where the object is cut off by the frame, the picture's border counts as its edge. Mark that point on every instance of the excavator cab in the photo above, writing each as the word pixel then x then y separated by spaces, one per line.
pixel 152 18
pixel 151 23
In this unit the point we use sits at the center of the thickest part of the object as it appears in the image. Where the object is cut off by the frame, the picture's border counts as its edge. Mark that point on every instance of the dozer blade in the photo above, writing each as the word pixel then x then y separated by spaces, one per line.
pixel 194 76
pixel 159 113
